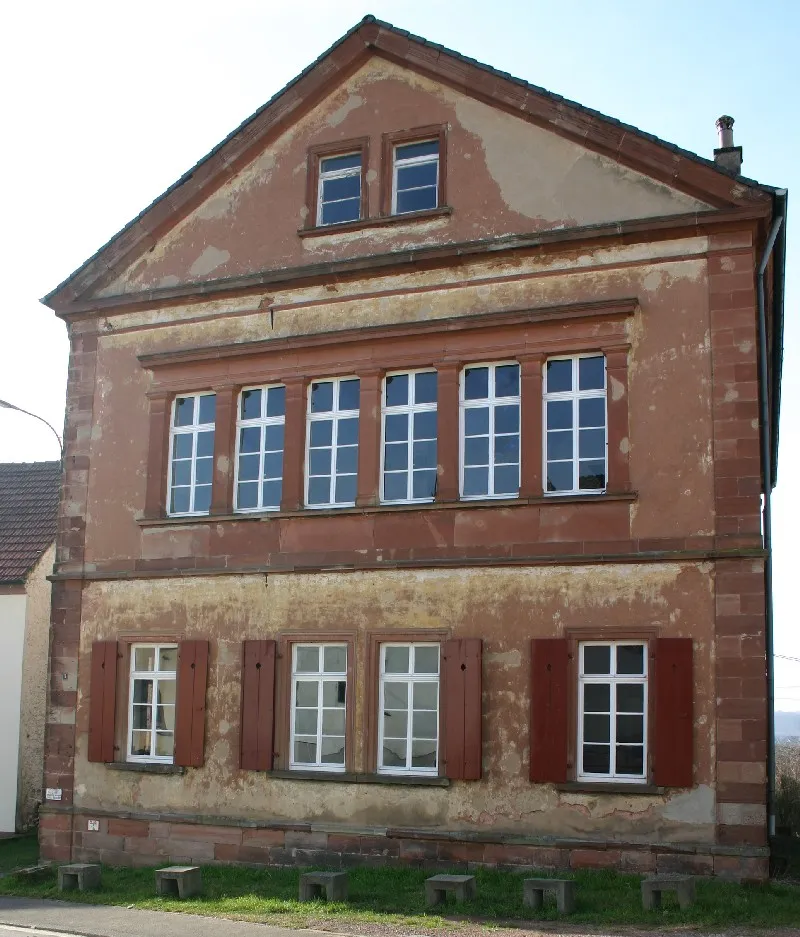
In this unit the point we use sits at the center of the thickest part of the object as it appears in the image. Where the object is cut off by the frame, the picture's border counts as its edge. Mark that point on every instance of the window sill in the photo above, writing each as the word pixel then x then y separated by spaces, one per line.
pixel 144 767
pixel 344 777
pixel 379 222
pixel 387 508
pixel 608 787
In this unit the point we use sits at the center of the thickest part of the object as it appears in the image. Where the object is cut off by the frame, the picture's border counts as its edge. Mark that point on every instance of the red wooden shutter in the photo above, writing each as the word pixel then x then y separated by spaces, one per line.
pixel 102 701
pixel 673 757
pixel 190 715
pixel 258 705
pixel 462 748
pixel 549 698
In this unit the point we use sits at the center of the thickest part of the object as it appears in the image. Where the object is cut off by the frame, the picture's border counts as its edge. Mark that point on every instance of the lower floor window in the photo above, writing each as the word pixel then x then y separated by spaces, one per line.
pixel 319 706
pixel 151 720
pixel 612 729
pixel 408 722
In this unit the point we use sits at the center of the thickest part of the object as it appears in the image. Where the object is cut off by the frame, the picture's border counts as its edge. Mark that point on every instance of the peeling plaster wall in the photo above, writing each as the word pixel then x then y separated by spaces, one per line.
pixel 504 175
pixel 506 606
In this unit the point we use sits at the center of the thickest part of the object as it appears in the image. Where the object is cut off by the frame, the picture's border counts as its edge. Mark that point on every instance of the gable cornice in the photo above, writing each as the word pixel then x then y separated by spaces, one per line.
pixel 623 143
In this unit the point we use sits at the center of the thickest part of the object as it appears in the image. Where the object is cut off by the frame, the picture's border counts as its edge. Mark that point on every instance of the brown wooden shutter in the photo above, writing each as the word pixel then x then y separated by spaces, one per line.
pixel 190 716
pixel 102 701
pixel 672 739
pixel 462 670
pixel 258 705
pixel 549 708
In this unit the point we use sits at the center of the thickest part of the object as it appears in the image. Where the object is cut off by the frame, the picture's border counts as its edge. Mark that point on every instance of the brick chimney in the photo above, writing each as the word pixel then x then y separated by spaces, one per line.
pixel 727 156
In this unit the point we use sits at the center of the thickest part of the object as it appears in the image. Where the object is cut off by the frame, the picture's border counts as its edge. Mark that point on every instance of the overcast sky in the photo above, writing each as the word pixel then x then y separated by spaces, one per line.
pixel 106 104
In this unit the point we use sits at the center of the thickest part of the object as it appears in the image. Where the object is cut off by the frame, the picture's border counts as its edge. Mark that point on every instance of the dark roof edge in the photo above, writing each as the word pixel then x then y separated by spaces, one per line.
pixel 781 198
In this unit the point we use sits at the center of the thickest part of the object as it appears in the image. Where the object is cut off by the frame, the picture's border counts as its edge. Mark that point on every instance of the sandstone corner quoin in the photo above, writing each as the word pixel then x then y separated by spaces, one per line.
pixel 415 447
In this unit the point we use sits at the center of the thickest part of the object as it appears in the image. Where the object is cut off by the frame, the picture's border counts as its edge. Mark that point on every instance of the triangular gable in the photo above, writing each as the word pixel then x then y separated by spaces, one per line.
pixel 574 147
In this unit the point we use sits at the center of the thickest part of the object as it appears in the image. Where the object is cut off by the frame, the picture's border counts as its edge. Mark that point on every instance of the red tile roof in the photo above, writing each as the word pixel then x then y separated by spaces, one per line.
pixel 29 493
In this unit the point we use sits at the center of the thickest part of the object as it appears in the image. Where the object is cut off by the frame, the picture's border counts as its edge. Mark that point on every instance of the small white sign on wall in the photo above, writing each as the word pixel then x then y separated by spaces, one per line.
pixel 93 825
pixel 52 793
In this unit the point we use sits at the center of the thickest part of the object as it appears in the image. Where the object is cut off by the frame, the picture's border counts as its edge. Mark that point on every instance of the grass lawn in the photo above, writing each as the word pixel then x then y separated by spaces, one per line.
pixel 18 851
pixel 395 897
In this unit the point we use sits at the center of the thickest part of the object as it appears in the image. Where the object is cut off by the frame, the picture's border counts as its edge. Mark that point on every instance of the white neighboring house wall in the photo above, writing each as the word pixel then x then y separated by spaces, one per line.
pixel 12 645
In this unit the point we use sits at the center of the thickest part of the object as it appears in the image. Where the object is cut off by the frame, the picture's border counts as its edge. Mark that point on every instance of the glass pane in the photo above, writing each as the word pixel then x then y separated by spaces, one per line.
pixel 394 753
pixel 335 659
pixel 423 754
pixel 596 698
pixel 182 472
pixel 476 421
pixel 334 692
pixel 426 659
pixel 592 412
pixel 630 759
pixel 335 163
pixel 250 439
pixel 424 484
pixel 591 374
pixel 348 394
pixel 592 475
pixel 166 692
pixel 596 759
pixel 396 659
pixel 184 411
pixel 251 404
pixel 426 695
pixel 167 659
pixel 506 380
pixel 182 446
pixel 306 659
pixel 395 456
pixel 339 212
pixel 271 494
pixel 144 659
pixel 205 443
pixel 630 658
pixel 417 199
pixel 425 387
pixel 141 717
pixel 332 750
pixel 425 725
pixel 506 449
pixel 202 499
pixel 630 697
pixel 165 744
pixel 165 718
pixel 345 187
pixel 396 390
pixel 395 723
pixel 424 455
pixel 416 176
pixel 476 450
pixel 140 743
pixel 559 476
pixel 347 460
pixel 425 425
pixel 396 428
pixel 322 397
pixel 559 414
pixel 202 471
pixel 319 462
pixel 630 728
pixel 476 481
pixel 592 443
pixel 597 728
pixel 247 496
pixel 412 150
pixel 559 376
pixel 476 383
pixel 506 419
pixel 306 693
pixel 395 486
pixel 305 751
pixel 273 465
pixel 347 432
pixel 276 401
pixel 248 468
pixel 180 501
pixel 506 480
pixel 208 408
pixel 321 433
pixel 345 489
pixel 395 695
pixel 559 444
pixel 305 721
pixel 333 722
pixel 273 438
pixel 596 658
pixel 319 490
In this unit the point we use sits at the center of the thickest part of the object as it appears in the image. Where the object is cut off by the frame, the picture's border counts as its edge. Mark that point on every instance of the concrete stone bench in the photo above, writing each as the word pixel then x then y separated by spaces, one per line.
pixel 654 885
pixel 533 890
pixel 316 884
pixel 181 880
pixel 437 887
pixel 82 876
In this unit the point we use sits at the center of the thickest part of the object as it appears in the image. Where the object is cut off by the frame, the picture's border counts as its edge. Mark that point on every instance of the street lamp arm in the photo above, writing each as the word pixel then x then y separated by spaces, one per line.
pixel 10 406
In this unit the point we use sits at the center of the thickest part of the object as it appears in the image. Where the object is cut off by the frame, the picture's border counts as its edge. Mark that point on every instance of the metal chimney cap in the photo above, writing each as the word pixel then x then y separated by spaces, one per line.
pixel 725 122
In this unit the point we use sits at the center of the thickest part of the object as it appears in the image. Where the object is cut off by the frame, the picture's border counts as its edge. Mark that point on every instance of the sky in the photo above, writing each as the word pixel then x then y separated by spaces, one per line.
pixel 106 104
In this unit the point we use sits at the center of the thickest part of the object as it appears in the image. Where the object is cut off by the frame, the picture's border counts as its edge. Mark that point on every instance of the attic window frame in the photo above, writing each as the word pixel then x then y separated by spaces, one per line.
pixel 315 156
pixel 389 141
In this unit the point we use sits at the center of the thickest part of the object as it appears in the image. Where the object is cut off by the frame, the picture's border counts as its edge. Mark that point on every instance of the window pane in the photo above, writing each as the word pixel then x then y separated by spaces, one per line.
pixel 184 411
pixel 426 659
pixel 394 753
pixel 397 427
pixel 305 721
pixel 395 695
pixel 596 658
pixel 425 387
pixel 476 481
pixel 347 432
pixel 165 717
pixel 630 759
pixel 506 380
pixel 417 200
pixel 395 456
pixel 165 744
pixel 208 408
pixel 202 499
pixel 506 449
pixel 424 484
pixel 476 450
pixel 345 187
pixel 202 471
pixel 424 455
pixel 395 486
pixel 180 501
pixel 423 754
pixel 412 150
pixel 305 751
pixel 506 419
pixel 321 433
pixel 592 444
pixel 592 412
pixel 182 446
pixel 141 717
pixel 559 476
pixel 630 728
pixel 168 660
pixel 416 176
pixel 271 494
pixel 348 394
pixel 307 659
pixel 476 383
pixel 332 750
pixel 397 390
pixel 335 163
pixel 346 460
pixel 397 659
pixel 144 659
pixel 251 404
pixel 559 376
pixel 248 467
pixel 476 421
pixel 425 725
pixel 273 465
pixel 630 698
pixel 345 489
pixel 305 693
pixel 140 743
pixel 425 425
pixel 339 212
pixel 250 439
pixel 630 658
pixel 559 445
pixel 205 443
pixel 591 373
pixel 182 472
pixel 322 397
pixel 276 401
pixel 426 695
pixel 319 462
pixel 596 698
pixel 506 480
pixel 395 723
pixel 592 475
pixel 334 692
pixel 335 659
pixel 559 414
pixel 597 728
pixel 597 759
pixel 273 437
pixel 247 495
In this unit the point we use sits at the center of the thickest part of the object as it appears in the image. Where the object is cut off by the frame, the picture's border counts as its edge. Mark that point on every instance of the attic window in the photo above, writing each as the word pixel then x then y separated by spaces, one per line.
pixel 415 179
pixel 337 184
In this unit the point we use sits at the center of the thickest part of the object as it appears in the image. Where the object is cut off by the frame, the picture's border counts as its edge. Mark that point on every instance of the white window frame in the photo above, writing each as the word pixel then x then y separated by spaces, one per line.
pixel 319 677
pixel 339 174
pixel 574 396
pixel 334 416
pixel 492 402
pixel 411 679
pixel 156 676
pixel 613 679
pixel 193 429
pixel 261 422
pixel 409 409
pixel 416 161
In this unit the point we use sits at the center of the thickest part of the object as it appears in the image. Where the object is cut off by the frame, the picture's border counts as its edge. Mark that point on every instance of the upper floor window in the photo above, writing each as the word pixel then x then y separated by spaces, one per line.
pixel 490 406
pixel 415 176
pixel 191 459
pixel 259 457
pixel 575 448
pixel 612 706
pixel 319 706
pixel 339 188
pixel 409 437
pixel 332 449
pixel 151 715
